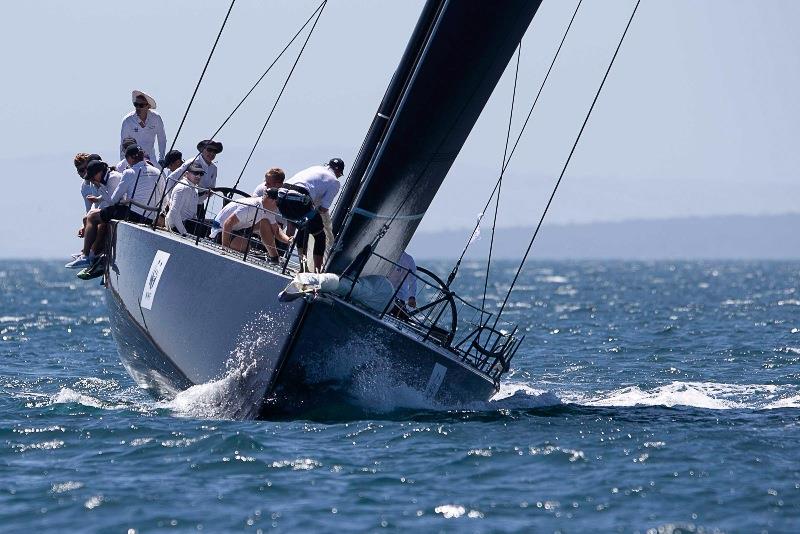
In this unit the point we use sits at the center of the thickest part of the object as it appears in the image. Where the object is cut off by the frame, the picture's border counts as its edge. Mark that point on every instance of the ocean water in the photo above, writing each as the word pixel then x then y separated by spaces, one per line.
pixel 647 397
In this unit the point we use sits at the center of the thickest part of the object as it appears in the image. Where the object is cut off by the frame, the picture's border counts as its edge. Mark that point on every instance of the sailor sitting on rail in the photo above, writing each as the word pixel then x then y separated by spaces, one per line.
pixel 406 286
pixel 208 150
pixel 81 161
pixel 103 181
pixel 309 195
pixel 240 218
pixel 141 185
pixel 183 204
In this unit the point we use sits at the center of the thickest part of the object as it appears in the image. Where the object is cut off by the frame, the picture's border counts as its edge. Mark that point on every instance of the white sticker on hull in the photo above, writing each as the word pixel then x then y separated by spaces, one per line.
pixel 153 277
pixel 435 381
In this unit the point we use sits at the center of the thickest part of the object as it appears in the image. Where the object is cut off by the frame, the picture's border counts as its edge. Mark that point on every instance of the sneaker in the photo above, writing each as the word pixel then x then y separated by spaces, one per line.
pixel 79 263
pixel 76 255
pixel 97 268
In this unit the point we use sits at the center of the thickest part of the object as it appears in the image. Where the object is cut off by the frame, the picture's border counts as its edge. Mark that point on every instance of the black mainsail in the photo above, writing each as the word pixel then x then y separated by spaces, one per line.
pixel 457 55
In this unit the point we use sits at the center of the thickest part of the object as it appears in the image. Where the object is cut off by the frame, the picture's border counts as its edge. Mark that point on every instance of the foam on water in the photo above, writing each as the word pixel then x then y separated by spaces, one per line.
pixel 706 395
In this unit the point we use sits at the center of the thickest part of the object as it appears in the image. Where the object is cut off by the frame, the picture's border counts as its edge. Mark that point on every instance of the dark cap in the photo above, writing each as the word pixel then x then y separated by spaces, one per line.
pixel 94 157
pixel 171 157
pixel 337 165
pixel 94 167
pixel 195 167
pixel 133 150
pixel 128 141
pixel 214 145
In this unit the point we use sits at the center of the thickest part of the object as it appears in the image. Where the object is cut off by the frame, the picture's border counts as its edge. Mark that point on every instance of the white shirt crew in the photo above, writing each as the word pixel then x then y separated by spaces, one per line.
pixel 409 288
pixel 122 166
pixel 145 135
pixel 139 183
pixel 105 190
pixel 248 211
pixel 207 181
pixel 321 183
pixel 88 188
pixel 182 205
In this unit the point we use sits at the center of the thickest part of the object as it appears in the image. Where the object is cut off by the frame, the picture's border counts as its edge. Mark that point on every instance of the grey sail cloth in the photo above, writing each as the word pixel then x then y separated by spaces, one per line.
pixel 465 54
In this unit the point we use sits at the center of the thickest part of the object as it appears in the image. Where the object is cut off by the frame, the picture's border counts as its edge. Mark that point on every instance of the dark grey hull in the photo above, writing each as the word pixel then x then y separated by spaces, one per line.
pixel 197 316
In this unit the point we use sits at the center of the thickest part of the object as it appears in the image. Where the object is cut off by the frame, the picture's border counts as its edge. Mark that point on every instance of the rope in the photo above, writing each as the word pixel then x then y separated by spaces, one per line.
pixel 246 96
pixel 500 179
pixel 566 164
pixel 189 106
pixel 280 94
pixel 453 273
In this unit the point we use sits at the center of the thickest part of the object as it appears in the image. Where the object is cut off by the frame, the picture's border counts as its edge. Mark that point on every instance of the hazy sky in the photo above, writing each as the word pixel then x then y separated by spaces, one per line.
pixel 699 116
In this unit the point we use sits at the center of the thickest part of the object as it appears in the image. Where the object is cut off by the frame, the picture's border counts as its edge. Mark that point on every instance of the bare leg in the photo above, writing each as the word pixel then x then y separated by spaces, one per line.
pixel 100 241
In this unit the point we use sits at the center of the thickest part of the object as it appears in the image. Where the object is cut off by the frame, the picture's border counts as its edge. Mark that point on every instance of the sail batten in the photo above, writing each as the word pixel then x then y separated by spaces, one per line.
pixel 462 59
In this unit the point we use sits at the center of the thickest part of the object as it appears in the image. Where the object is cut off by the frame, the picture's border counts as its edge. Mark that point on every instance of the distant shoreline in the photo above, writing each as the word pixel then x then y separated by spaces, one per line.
pixel 728 237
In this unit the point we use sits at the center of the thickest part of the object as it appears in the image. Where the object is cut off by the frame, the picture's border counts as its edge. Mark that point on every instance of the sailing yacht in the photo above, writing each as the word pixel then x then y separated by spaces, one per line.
pixel 184 312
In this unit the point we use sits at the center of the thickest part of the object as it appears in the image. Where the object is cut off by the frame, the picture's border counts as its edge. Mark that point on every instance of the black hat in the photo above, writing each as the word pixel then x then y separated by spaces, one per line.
pixel 337 165
pixel 93 157
pixel 133 150
pixel 94 167
pixel 171 157
pixel 195 167
pixel 214 145
pixel 128 141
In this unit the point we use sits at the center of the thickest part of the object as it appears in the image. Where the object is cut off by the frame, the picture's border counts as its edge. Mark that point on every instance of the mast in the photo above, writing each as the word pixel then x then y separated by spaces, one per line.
pixel 386 110
pixel 460 60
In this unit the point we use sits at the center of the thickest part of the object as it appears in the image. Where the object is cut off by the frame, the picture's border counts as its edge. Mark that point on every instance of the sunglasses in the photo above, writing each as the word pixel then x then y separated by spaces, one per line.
pixel 201 173
pixel 140 105
pixel 212 150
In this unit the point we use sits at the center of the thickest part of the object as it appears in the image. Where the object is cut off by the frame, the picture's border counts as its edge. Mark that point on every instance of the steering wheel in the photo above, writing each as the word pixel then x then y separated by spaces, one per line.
pixel 445 296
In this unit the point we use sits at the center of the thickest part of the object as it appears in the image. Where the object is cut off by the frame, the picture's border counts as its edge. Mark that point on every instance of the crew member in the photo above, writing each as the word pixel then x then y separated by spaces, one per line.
pixel 122 165
pixel 144 125
pixel 208 150
pixel 406 286
pixel 239 218
pixel 307 196
pixel 139 184
pixel 183 203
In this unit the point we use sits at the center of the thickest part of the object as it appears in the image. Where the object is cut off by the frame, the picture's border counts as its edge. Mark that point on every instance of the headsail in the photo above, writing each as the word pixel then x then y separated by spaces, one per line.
pixel 455 70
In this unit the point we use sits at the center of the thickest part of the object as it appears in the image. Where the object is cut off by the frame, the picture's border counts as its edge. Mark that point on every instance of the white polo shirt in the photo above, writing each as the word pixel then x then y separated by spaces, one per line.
pixel 104 191
pixel 248 211
pixel 321 183
pixel 88 188
pixel 139 183
pixel 145 135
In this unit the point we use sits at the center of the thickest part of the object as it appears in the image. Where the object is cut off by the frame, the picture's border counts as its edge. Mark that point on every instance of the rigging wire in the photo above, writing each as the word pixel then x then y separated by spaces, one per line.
pixel 202 74
pixel 249 92
pixel 566 164
pixel 454 272
pixel 189 106
pixel 500 179
pixel 283 88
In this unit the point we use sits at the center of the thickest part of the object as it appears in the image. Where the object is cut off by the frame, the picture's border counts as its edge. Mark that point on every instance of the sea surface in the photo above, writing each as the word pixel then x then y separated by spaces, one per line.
pixel 647 397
